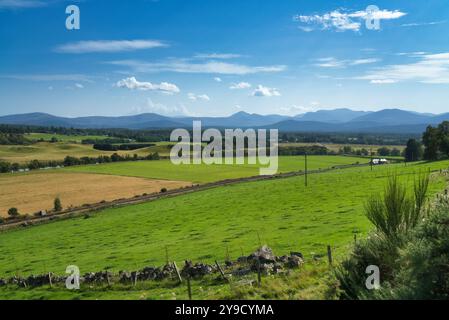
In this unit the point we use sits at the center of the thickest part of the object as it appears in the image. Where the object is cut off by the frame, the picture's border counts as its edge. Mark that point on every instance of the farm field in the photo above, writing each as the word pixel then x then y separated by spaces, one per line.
pixel 204 226
pixel 44 151
pixel 32 192
pixel 337 146
pixel 164 169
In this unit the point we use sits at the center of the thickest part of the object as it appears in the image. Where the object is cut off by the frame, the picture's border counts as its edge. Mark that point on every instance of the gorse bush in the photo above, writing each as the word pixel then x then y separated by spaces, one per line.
pixel 425 260
pixel 397 215
pixel 396 212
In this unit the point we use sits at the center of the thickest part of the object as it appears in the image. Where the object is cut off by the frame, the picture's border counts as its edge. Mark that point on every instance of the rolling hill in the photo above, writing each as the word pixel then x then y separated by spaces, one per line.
pixel 338 120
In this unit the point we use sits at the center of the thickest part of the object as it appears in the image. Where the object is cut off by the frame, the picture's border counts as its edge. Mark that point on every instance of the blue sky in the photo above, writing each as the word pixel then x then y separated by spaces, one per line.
pixel 198 57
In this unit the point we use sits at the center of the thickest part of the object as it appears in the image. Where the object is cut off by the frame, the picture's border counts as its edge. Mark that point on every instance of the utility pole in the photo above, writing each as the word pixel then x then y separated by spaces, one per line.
pixel 371 162
pixel 305 158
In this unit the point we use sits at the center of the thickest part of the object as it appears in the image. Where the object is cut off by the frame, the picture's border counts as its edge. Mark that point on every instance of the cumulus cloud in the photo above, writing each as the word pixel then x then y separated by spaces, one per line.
pixel 240 85
pixel 196 97
pixel 428 68
pixel 183 66
pixel 218 79
pixel 262 91
pixel 341 20
pixel 133 84
pixel 109 46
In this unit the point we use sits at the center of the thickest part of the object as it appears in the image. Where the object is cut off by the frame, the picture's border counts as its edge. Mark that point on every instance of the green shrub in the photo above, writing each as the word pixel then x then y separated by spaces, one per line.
pixel 396 212
pixel 57 204
pixel 13 212
pixel 395 215
pixel 425 260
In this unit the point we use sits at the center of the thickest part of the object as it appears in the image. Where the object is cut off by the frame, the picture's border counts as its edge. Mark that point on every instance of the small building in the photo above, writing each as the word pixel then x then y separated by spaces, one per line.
pixel 377 162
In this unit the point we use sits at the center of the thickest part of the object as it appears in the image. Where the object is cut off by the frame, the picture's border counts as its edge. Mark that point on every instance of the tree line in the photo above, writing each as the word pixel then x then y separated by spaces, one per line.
pixel 13 139
pixel 434 144
pixel 6 167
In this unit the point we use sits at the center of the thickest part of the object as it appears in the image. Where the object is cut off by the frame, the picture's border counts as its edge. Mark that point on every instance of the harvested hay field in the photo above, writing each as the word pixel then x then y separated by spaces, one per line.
pixel 36 191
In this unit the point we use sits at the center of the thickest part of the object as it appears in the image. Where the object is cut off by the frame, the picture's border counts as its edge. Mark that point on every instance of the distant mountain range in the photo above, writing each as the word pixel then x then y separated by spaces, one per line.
pixel 338 120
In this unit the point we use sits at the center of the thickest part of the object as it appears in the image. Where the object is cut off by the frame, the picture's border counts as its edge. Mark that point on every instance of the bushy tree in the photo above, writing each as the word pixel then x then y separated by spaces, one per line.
pixel 384 152
pixel 436 141
pixel 413 151
pixel 13 212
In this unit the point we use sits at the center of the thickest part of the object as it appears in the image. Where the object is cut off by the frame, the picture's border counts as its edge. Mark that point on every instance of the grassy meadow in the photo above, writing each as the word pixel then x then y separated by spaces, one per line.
pixel 204 226
pixel 164 169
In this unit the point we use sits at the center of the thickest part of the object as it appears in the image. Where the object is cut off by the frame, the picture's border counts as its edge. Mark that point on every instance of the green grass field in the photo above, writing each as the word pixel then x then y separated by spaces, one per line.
pixel 203 226
pixel 164 169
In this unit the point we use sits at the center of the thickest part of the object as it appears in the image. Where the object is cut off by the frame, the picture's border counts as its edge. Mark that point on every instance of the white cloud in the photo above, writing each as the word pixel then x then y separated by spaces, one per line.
pixel 182 66
pixel 21 4
pixel 49 77
pixel 339 20
pixel 384 81
pixel 363 61
pixel 218 79
pixel 195 97
pixel 419 24
pixel 132 84
pixel 109 46
pixel 332 62
pixel 294 110
pixel 217 56
pixel 306 29
pixel 429 68
pixel 79 86
pixel 240 85
pixel 262 91
pixel 159 108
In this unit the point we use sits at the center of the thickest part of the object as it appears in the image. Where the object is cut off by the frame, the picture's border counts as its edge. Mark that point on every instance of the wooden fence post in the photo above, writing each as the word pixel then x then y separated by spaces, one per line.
pixel 189 288
pixel 221 271
pixel 329 255
pixel 259 276
pixel 177 272
pixel 49 280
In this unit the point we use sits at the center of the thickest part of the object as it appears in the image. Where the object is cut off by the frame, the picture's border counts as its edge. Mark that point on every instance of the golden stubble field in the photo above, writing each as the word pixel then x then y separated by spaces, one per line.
pixel 33 192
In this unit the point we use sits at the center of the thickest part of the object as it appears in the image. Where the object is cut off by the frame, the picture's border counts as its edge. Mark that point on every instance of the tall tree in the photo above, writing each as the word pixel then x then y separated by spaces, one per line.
pixel 413 151
pixel 431 143
pixel 443 137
